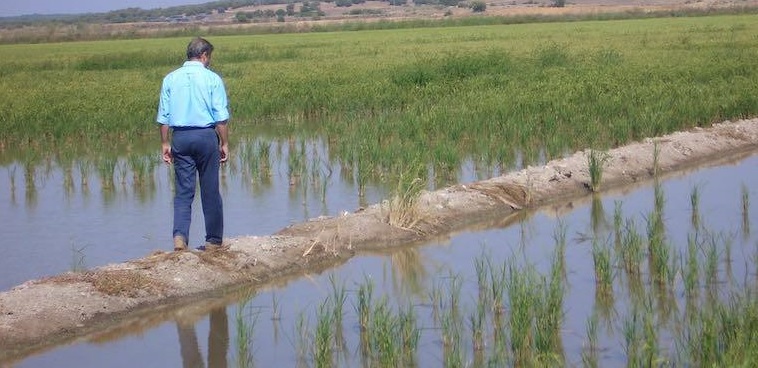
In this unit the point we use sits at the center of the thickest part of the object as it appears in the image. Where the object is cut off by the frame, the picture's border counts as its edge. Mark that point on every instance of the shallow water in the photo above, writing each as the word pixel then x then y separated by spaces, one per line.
pixel 55 220
pixel 50 227
pixel 116 229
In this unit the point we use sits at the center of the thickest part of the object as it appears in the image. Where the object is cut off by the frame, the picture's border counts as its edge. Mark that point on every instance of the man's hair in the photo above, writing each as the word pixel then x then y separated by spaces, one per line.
pixel 197 47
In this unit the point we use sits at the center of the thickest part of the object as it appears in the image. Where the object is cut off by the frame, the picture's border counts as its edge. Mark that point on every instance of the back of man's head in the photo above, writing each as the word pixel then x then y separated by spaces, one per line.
pixel 197 47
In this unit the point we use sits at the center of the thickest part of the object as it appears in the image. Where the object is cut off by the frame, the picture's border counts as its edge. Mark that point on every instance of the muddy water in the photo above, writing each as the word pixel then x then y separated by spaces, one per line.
pixel 405 276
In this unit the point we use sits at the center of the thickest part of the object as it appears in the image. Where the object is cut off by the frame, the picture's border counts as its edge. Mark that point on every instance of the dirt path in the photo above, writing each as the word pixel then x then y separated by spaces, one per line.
pixel 109 301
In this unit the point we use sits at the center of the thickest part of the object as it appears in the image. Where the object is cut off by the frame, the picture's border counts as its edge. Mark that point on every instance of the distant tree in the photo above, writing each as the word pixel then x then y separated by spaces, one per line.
pixel 310 8
pixel 478 6
pixel 559 3
pixel 241 17
pixel 290 9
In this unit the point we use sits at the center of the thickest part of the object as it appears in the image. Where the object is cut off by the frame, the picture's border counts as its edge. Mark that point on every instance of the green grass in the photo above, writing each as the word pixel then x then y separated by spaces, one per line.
pixel 506 95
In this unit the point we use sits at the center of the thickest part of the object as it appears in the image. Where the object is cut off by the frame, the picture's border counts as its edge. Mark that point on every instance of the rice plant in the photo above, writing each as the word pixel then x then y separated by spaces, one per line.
pixel 323 343
pixel 595 165
pixel 387 105
pixel 365 303
pixel 302 340
pixel 498 283
pixel 695 207
pixel 590 349
pixel 245 322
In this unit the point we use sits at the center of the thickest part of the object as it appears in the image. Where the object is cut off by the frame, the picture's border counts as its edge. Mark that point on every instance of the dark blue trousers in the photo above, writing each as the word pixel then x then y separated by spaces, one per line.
pixel 197 158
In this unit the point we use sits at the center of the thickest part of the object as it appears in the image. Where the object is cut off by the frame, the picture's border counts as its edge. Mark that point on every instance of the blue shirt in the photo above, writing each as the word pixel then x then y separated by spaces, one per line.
pixel 192 96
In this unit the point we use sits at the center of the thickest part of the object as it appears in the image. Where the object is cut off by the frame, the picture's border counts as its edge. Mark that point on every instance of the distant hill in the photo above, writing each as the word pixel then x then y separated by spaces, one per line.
pixel 129 15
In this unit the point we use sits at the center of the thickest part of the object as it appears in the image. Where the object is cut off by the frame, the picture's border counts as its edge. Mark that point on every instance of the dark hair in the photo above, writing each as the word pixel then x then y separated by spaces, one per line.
pixel 197 47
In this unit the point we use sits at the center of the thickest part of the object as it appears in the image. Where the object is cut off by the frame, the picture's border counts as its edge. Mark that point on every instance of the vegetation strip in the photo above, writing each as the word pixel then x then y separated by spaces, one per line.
pixel 75 308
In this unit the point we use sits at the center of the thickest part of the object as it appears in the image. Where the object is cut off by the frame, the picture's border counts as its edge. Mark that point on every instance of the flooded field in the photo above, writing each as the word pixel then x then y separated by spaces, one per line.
pixel 457 301
pixel 329 122
pixel 58 218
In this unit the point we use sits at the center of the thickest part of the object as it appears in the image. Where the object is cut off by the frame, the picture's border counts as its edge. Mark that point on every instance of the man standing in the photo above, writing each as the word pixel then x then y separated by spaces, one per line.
pixel 193 106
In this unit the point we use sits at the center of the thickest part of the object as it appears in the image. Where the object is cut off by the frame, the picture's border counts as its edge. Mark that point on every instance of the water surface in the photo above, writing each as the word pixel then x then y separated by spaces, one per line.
pixel 406 276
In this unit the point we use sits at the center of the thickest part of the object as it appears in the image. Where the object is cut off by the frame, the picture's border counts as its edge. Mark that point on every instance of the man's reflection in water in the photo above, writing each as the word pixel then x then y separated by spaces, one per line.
pixel 218 341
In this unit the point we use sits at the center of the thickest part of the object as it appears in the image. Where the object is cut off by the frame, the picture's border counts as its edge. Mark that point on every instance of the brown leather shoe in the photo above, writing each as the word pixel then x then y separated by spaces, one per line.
pixel 179 243
pixel 211 247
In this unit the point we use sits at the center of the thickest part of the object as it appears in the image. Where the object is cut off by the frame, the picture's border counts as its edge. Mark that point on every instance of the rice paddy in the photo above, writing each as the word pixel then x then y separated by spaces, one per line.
pixel 663 295
pixel 503 95
pixel 645 283
pixel 329 122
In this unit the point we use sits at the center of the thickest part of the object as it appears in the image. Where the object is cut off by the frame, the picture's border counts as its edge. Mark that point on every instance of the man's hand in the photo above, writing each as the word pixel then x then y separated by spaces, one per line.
pixel 166 153
pixel 223 139
pixel 224 152
pixel 165 145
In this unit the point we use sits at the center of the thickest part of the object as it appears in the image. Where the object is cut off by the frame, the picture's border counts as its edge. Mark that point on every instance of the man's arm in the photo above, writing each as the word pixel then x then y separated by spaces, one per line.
pixel 223 135
pixel 165 145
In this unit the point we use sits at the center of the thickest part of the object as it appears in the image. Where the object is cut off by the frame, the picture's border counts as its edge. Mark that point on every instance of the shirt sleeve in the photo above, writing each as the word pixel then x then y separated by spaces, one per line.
pixel 220 102
pixel 163 104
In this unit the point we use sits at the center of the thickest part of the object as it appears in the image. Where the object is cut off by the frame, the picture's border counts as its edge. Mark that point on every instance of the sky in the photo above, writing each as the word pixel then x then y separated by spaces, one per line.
pixel 9 8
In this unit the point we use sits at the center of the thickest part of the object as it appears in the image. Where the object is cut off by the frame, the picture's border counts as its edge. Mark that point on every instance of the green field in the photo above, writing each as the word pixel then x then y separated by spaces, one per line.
pixel 502 94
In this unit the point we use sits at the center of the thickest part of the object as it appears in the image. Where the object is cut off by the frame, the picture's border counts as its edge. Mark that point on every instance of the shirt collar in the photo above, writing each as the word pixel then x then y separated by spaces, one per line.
pixel 193 63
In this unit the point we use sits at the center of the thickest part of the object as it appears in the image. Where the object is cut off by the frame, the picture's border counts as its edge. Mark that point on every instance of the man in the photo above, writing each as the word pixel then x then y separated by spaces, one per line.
pixel 193 106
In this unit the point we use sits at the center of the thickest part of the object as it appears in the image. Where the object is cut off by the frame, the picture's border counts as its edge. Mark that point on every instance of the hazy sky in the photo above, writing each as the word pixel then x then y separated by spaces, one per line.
pixel 22 7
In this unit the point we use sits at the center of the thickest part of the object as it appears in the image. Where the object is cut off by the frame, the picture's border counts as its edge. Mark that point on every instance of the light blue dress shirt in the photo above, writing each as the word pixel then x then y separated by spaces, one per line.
pixel 192 96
